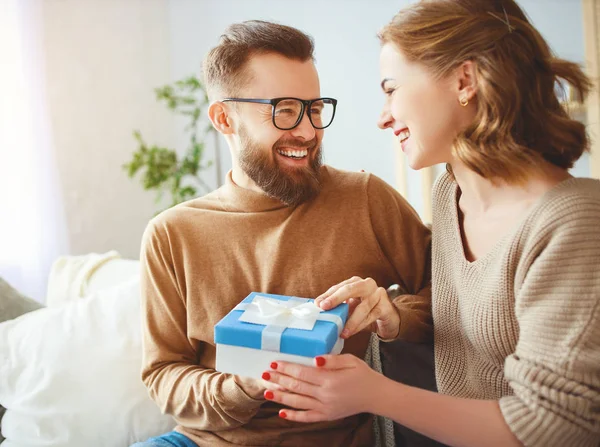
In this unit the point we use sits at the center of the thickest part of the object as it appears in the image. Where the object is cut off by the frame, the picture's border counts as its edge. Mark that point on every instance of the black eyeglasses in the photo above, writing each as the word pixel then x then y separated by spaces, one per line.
pixel 288 112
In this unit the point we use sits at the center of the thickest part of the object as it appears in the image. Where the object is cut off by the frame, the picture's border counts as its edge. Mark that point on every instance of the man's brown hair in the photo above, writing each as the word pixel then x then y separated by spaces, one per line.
pixel 224 67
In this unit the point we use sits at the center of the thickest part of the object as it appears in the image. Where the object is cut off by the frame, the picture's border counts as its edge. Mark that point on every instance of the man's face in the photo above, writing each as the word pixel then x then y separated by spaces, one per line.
pixel 285 164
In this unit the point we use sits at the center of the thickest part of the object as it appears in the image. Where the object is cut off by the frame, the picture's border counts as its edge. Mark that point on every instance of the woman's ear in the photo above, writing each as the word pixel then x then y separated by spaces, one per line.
pixel 220 118
pixel 466 81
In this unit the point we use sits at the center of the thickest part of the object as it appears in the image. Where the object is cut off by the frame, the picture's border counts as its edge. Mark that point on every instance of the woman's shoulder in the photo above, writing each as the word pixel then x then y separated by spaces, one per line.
pixel 570 200
pixel 577 186
pixel 567 214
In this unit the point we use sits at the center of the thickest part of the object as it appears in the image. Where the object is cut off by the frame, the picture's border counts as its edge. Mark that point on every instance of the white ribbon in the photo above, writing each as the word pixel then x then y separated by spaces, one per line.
pixel 277 316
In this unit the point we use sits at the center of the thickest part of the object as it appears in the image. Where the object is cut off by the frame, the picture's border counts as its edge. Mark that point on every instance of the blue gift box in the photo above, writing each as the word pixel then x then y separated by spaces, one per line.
pixel 307 343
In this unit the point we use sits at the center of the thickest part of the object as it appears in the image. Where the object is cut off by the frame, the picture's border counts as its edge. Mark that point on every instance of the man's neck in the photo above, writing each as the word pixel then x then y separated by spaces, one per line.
pixel 241 179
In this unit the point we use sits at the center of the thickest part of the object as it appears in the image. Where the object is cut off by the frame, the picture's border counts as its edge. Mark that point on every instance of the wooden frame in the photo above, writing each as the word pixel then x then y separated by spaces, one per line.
pixel 591 30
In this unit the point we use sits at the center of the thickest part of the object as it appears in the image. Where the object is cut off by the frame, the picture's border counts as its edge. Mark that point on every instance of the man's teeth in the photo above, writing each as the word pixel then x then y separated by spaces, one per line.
pixel 404 135
pixel 294 154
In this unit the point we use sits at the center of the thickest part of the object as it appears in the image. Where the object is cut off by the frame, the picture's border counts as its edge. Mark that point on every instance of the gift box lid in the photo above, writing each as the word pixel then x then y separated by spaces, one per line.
pixel 319 341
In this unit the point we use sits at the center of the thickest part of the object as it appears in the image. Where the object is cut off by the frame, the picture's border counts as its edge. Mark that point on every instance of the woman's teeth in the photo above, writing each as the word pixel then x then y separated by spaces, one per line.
pixel 293 154
pixel 404 135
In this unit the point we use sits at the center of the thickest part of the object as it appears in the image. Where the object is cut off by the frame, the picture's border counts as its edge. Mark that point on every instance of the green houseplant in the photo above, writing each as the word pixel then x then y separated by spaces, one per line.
pixel 162 169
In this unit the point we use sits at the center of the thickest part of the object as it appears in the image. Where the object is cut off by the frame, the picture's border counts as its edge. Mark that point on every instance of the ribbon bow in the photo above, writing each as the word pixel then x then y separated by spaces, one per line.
pixel 270 308
pixel 278 315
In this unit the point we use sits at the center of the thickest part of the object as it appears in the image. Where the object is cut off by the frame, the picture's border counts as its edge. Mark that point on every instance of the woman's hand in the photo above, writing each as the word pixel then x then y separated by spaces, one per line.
pixel 340 386
pixel 369 304
pixel 255 388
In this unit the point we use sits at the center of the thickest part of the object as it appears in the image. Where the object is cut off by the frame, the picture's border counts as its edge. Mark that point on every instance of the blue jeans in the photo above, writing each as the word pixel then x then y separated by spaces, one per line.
pixel 172 439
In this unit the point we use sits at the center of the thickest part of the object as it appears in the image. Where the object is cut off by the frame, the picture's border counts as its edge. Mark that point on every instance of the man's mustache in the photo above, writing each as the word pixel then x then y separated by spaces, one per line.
pixel 301 144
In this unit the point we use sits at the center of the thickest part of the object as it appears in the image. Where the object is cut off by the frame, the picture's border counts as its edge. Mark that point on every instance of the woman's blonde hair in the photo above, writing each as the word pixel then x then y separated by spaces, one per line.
pixel 519 118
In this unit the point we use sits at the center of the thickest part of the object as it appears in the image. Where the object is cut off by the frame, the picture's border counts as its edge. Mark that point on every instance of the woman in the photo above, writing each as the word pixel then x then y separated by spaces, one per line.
pixel 516 248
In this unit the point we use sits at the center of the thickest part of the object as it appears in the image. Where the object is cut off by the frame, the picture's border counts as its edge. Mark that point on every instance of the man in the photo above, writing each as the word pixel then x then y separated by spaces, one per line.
pixel 283 223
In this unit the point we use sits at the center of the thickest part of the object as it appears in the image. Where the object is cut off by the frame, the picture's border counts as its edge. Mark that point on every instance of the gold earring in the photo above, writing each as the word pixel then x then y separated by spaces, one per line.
pixel 464 102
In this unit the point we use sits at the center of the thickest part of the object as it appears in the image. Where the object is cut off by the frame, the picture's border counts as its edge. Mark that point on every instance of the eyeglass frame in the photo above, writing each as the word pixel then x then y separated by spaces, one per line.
pixel 306 103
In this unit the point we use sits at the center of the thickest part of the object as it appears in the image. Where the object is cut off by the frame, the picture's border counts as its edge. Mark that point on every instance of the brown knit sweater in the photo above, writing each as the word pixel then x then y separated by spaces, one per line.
pixel 201 258
pixel 522 324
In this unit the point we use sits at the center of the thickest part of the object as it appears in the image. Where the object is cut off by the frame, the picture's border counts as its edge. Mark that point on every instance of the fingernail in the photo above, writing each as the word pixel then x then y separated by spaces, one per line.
pixel 320 361
pixel 266 376
pixel 273 365
pixel 362 170
pixel 269 395
pixel 324 304
pixel 345 333
pixel 282 414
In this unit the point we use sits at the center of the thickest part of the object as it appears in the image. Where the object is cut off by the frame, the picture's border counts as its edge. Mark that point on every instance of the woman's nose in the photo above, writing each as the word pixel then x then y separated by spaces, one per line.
pixel 385 119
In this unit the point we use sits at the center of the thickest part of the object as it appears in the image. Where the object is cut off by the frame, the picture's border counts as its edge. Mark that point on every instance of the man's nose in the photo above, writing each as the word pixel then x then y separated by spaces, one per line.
pixel 305 128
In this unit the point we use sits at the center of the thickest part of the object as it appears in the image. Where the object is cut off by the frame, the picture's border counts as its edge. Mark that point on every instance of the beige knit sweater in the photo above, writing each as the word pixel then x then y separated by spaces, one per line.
pixel 522 324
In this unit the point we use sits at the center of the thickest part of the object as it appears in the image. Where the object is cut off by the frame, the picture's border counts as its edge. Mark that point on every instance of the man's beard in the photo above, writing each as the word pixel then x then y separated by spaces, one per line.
pixel 291 186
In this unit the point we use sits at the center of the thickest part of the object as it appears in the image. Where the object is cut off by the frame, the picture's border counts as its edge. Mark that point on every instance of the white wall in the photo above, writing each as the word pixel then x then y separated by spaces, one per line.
pixel 103 60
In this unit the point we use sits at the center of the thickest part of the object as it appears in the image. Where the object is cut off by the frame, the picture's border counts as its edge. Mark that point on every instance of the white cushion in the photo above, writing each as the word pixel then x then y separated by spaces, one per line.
pixel 112 273
pixel 70 376
pixel 70 276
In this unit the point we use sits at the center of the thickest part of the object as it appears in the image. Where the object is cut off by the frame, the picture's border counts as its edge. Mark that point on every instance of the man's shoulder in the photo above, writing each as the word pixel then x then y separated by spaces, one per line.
pixel 340 178
pixel 352 183
pixel 361 190
pixel 188 211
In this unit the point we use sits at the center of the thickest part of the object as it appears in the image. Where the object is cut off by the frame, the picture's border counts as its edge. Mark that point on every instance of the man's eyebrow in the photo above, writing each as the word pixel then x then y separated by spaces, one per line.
pixel 384 81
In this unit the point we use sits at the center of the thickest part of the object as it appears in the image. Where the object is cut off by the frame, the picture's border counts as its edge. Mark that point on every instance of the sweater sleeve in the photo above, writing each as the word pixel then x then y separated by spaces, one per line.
pixel 405 242
pixel 555 369
pixel 196 397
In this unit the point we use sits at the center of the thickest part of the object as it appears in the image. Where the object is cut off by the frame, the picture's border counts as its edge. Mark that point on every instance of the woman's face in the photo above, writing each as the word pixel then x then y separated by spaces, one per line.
pixel 424 113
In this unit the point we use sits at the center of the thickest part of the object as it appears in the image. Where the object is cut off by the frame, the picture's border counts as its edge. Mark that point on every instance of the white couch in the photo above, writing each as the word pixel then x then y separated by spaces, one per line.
pixel 69 373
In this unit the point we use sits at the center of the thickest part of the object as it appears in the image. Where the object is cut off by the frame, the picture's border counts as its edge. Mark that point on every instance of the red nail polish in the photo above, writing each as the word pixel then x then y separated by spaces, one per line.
pixel 282 414
pixel 266 376
pixel 273 365
pixel 269 395
pixel 320 361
